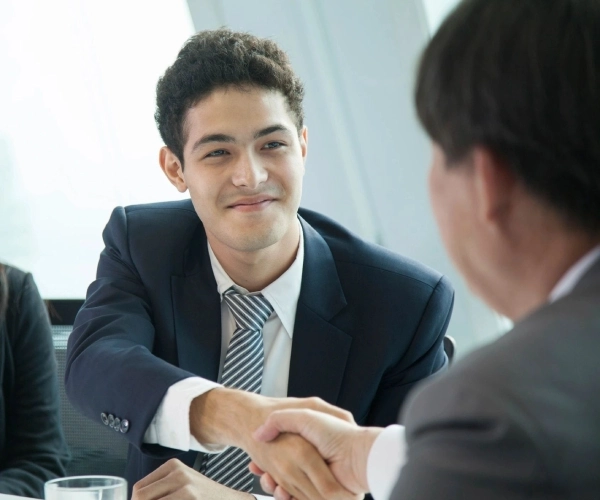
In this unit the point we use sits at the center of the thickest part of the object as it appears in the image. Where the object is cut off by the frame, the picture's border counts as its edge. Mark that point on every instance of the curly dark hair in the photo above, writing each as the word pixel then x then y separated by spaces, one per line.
pixel 219 58
pixel 521 77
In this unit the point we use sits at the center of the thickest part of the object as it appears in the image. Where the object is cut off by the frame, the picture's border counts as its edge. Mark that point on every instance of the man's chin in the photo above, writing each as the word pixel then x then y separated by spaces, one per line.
pixel 250 237
pixel 255 243
pixel 253 234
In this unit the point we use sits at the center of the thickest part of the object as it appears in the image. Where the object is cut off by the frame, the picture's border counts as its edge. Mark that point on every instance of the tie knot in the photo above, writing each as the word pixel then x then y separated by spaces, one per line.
pixel 250 312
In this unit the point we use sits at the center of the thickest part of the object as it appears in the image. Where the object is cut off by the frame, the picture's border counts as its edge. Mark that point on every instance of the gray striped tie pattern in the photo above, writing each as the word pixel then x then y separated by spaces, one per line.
pixel 243 370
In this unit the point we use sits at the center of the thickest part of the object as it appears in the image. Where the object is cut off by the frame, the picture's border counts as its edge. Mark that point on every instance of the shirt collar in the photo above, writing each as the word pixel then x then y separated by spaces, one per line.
pixel 570 279
pixel 283 293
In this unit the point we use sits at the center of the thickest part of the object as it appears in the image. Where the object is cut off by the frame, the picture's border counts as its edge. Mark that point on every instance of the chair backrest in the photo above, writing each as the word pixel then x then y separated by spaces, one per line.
pixel 449 347
pixel 95 449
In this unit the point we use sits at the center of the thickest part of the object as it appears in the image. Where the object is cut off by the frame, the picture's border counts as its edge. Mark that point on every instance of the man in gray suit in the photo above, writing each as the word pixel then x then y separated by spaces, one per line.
pixel 509 92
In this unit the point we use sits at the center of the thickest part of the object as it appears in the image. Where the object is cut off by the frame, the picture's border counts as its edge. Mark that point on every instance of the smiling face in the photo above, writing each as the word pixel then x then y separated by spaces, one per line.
pixel 243 166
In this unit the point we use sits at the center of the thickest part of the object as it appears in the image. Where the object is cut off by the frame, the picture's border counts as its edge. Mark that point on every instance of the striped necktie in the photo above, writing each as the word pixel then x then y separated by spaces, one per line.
pixel 242 370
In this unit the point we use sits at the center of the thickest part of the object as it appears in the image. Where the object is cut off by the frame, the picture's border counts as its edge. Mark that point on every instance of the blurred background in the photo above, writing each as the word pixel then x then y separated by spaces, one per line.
pixel 77 134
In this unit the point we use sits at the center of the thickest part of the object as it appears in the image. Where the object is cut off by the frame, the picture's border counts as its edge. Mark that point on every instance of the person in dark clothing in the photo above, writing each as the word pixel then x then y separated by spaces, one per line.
pixel 32 446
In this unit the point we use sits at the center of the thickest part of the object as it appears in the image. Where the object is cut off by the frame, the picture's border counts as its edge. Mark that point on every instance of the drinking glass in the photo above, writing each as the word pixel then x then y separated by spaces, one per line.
pixel 86 488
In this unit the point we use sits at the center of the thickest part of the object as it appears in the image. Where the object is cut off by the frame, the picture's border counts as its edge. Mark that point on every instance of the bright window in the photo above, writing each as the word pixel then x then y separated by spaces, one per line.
pixel 77 135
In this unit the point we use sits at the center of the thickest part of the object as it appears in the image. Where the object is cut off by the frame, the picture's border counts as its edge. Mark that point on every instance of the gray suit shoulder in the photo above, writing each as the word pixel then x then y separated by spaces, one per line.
pixel 537 386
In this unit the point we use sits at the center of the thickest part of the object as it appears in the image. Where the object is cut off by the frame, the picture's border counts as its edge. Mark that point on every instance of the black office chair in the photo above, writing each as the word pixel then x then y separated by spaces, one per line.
pixel 95 449
pixel 449 347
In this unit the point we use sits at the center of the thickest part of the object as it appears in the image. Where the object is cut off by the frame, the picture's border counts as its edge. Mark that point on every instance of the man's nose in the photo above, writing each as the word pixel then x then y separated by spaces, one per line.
pixel 249 172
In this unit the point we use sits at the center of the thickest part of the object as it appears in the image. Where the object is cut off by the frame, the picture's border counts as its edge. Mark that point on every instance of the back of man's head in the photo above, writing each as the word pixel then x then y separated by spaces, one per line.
pixel 216 59
pixel 522 78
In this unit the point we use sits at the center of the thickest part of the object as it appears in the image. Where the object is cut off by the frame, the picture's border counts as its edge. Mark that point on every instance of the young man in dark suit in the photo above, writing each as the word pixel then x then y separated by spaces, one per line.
pixel 240 286
pixel 509 92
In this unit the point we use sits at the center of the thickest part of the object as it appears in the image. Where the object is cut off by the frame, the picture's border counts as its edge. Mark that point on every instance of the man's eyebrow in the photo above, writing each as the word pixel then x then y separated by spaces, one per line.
pixel 227 138
pixel 212 138
pixel 271 129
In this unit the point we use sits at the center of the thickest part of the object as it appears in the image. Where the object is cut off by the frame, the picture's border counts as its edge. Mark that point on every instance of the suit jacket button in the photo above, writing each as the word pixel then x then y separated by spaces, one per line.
pixel 111 420
pixel 104 418
pixel 124 427
pixel 117 425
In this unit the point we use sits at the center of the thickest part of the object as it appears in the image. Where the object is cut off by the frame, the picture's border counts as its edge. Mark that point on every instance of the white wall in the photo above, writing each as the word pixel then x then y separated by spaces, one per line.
pixel 77 135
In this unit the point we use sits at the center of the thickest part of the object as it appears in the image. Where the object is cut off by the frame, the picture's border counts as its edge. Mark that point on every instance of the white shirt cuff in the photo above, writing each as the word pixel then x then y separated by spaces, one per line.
pixel 170 426
pixel 386 459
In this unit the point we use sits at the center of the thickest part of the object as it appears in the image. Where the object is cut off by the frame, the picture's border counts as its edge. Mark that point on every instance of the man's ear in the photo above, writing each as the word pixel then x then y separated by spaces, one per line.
pixel 172 168
pixel 304 142
pixel 495 185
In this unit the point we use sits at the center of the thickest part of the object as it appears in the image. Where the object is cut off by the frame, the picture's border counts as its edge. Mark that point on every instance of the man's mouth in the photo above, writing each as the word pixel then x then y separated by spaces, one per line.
pixel 252 204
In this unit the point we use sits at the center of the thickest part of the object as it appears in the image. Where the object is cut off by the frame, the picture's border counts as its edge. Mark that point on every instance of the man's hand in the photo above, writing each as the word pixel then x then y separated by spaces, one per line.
pixel 174 480
pixel 343 445
pixel 230 417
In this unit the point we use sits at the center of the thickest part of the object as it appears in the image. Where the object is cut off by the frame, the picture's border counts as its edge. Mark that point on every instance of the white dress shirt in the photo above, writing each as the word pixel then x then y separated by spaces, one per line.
pixel 388 453
pixel 386 459
pixel 170 426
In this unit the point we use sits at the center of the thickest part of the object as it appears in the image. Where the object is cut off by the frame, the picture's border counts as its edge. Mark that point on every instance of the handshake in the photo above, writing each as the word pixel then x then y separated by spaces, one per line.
pixel 302 448
pixel 342 445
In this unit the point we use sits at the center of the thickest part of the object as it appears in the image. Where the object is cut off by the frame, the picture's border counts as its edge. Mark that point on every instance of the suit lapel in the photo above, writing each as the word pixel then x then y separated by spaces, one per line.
pixel 319 349
pixel 197 311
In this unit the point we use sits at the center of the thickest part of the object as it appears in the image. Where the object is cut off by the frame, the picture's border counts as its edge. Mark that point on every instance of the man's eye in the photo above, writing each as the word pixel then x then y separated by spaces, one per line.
pixel 273 145
pixel 218 152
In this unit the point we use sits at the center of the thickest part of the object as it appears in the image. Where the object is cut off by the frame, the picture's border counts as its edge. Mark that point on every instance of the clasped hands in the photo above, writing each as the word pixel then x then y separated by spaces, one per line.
pixel 303 448
pixel 342 444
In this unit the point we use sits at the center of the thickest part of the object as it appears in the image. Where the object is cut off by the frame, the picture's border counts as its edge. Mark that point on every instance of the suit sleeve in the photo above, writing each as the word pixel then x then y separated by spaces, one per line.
pixel 110 366
pixel 469 441
pixel 424 357
pixel 36 450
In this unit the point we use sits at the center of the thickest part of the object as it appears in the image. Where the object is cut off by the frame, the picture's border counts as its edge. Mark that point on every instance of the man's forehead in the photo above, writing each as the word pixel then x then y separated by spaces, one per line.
pixel 241 113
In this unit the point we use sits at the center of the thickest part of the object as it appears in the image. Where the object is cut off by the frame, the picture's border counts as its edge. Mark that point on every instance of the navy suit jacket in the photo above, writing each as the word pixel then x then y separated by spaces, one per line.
pixel 369 323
